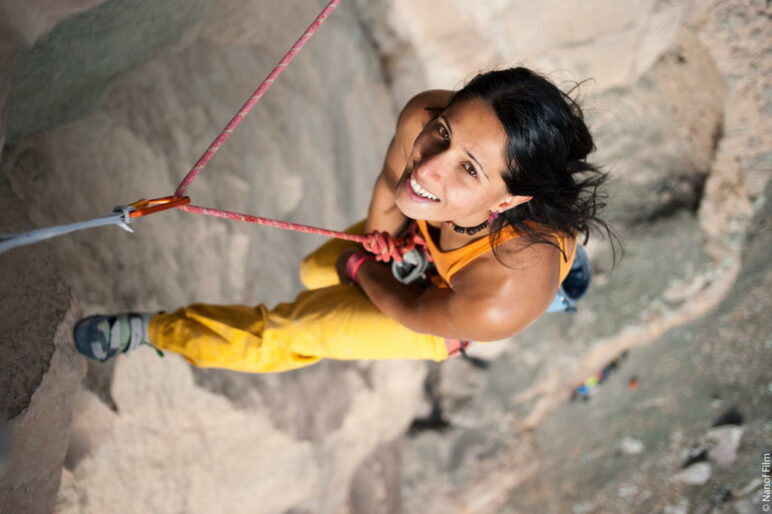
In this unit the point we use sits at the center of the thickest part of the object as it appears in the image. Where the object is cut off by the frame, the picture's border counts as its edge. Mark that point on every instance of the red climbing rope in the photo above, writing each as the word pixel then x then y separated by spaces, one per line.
pixel 286 225
pixel 385 247
pixel 236 120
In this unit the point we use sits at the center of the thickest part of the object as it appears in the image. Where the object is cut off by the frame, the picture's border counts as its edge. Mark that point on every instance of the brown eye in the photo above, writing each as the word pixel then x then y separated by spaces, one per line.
pixel 443 132
pixel 470 169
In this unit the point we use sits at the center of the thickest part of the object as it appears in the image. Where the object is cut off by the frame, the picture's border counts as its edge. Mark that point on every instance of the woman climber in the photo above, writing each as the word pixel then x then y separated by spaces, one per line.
pixel 494 180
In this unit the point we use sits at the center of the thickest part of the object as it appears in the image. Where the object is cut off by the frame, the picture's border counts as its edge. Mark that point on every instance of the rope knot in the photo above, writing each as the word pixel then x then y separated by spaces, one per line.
pixel 387 247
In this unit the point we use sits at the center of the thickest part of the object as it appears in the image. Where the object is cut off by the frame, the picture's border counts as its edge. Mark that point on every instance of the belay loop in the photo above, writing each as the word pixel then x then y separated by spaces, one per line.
pixel 409 254
pixel 412 266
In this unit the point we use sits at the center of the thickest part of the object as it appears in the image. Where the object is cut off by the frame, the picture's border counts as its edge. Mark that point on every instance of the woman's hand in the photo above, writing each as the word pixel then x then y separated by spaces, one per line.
pixel 386 247
pixel 383 246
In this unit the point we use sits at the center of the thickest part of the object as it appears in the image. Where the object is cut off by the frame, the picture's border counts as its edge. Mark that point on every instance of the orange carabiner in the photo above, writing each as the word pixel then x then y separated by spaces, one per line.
pixel 144 207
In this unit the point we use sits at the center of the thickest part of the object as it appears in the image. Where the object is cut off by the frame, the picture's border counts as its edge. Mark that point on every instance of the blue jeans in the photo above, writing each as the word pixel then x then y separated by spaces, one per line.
pixel 575 284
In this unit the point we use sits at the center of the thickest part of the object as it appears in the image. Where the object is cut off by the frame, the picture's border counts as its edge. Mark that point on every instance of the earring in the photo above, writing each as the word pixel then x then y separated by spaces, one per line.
pixel 492 217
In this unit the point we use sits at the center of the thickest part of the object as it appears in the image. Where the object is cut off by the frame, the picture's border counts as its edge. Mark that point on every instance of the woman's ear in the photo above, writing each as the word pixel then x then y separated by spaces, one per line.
pixel 511 201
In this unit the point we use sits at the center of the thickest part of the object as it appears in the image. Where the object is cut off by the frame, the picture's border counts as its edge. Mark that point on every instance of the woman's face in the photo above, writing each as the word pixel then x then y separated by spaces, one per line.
pixel 454 170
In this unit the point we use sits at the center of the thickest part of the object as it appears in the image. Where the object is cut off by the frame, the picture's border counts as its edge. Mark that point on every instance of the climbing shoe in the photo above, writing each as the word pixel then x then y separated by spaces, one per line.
pixel 101 337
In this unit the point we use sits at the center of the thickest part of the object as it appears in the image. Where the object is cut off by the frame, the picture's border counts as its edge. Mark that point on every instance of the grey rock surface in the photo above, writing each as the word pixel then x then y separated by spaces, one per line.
pixel 40 372
pixel 184 439
pixel 116 102
pixel 682 121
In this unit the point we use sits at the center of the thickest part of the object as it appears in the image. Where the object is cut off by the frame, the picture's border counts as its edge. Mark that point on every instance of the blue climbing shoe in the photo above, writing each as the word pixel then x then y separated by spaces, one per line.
pixel 101 337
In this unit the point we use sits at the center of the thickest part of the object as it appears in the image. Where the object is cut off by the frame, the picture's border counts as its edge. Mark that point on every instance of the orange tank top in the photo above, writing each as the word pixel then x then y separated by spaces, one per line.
pixel 451 262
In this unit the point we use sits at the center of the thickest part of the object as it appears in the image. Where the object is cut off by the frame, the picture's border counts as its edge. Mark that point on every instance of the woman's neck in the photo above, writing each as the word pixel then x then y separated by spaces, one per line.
pixel 469 230
pixel 450 240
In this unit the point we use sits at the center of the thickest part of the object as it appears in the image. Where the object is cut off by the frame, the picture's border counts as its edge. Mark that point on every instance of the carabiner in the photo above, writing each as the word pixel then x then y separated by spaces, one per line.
pixel 144 207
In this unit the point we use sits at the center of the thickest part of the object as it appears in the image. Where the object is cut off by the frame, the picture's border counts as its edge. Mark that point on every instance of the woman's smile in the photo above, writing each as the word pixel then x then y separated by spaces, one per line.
pixel 445 178
pixel 417 192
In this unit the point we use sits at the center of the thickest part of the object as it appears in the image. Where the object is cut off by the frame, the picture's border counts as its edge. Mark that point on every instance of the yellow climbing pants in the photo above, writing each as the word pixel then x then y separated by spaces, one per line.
pixel 328 321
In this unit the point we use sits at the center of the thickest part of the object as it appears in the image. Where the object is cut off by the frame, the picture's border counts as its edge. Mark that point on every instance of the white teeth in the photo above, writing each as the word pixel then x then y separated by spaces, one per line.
pixel 417 189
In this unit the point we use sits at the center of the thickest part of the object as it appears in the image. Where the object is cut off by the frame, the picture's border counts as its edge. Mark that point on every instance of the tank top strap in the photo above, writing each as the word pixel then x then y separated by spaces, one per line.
pixel 451 262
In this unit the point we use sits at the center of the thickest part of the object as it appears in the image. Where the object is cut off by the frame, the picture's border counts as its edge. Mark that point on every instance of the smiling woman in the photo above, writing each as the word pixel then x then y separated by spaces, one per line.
pixel 447 165
pixel 491 180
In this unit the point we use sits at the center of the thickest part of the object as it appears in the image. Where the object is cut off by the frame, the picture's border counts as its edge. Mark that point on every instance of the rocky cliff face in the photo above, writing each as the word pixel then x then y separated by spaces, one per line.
pixel 677 104
pixel 108 102
pixel 114 104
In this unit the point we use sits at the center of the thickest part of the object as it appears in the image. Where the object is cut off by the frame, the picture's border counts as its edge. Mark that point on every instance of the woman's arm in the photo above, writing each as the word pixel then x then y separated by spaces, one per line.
pixel 487 301
pixel 383 214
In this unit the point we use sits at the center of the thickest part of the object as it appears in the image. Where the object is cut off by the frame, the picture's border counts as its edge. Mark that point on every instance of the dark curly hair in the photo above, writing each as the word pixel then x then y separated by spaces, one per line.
pixel 546 154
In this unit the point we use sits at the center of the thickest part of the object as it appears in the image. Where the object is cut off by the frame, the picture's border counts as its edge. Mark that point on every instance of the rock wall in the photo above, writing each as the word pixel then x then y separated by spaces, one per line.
pixel 116 101
pixel 675 96
pixel 40 372
pixel 115 104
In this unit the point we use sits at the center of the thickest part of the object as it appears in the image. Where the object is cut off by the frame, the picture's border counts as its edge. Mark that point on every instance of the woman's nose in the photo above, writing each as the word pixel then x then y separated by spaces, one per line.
pixel 430 166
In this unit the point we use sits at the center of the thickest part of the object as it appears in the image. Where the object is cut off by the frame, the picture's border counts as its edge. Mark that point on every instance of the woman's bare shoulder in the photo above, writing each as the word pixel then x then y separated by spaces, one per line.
pixel 417 112
pixel 431 100
pixel 510 291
